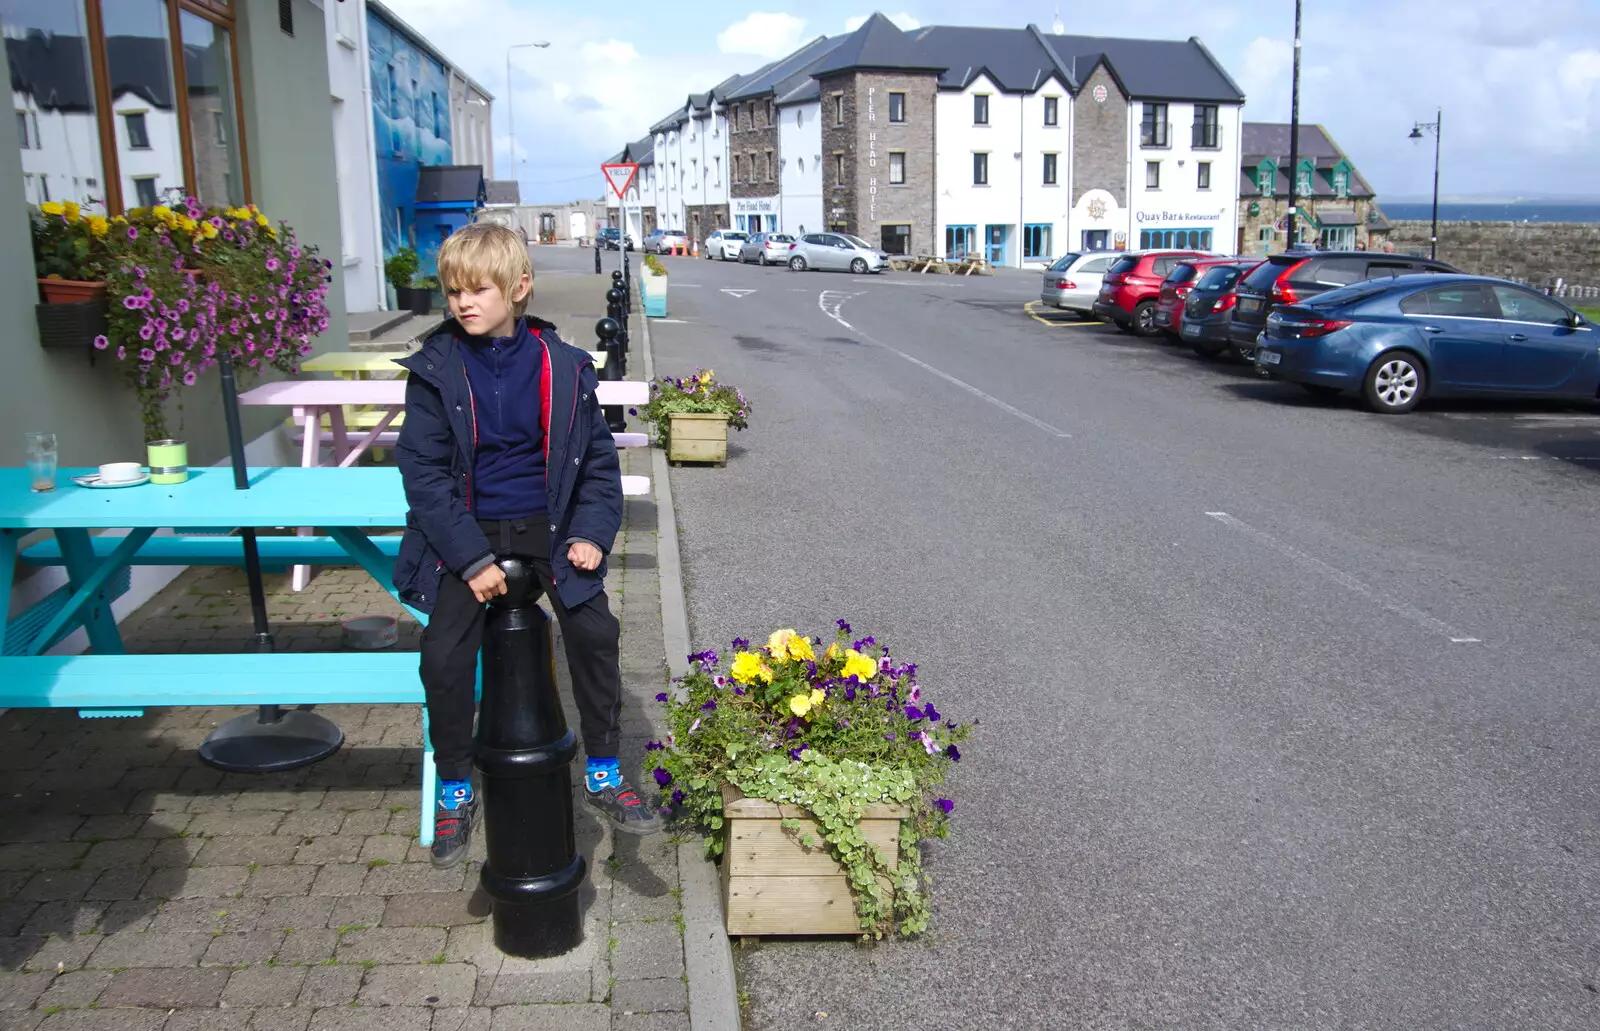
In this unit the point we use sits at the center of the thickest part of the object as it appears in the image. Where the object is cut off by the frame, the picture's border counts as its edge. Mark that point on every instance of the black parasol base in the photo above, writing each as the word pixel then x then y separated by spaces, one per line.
pixel 271 740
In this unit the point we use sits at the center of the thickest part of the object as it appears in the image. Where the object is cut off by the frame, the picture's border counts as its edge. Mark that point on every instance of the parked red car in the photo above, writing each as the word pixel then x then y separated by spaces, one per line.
pixel 1129 291
pixel 1175 291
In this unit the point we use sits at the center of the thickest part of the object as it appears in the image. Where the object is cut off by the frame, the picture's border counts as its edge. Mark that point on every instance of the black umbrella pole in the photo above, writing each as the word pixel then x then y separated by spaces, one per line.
pixel 272 740
pixel 532 869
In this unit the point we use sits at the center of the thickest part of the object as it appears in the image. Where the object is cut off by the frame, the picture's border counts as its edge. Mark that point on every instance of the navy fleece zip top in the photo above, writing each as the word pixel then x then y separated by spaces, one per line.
pixel 506 376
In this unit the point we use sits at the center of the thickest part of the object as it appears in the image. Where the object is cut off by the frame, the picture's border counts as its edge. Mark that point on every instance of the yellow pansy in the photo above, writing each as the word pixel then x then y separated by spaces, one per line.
pixel 262 220
pixel 52 207
pixel 272 234
pixel 801 704
pixel 70 209
pixel 161 211
pixel 119 220
pixel 833 653
pixel 748 667
pixel 778 642
pixel 858 665
pixel 788 644
pixel 208 230
pixel 98 225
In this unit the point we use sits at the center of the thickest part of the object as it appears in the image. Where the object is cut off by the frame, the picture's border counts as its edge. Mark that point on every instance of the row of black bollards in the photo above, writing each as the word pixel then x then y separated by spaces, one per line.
pixel 532 869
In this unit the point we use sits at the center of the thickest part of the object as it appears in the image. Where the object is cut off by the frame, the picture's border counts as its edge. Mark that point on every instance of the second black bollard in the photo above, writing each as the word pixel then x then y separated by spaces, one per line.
pixel 532 870
pixel 597 256
pixel 606 330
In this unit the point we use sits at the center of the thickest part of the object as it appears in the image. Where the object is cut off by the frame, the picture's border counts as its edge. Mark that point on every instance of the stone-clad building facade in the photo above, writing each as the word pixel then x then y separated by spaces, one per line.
pixel 1013 144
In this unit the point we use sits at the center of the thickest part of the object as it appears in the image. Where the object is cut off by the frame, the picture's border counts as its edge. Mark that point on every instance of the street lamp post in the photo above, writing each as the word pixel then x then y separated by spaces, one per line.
pixel 1416 134
pixel 511 111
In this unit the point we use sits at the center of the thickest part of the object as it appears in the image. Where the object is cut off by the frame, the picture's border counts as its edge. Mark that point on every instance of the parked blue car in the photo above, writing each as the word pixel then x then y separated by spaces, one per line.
pixel 1400 340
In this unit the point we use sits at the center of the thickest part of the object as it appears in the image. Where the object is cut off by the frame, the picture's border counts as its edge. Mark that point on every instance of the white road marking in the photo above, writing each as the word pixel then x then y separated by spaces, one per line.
pixel 671 322
pixel 1347 581
pixel 736 293
pixel 1549 458
pixel 830 301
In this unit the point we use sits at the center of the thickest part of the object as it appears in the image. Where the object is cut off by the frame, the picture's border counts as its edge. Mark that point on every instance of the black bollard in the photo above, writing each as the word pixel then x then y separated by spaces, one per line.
pixel 614 304
pixel 627 298
pixel 532 870
pixel 597 255
pixel 606 329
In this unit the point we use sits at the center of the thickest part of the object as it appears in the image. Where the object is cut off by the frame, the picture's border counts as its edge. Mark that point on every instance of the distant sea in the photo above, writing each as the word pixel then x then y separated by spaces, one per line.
pixel 1492 212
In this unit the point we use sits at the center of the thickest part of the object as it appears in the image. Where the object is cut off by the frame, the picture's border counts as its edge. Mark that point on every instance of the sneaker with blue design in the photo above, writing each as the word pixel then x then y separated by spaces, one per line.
pixel 452 823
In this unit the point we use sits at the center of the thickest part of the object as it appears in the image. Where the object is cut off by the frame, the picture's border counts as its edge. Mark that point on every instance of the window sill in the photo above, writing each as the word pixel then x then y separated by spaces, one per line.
pixel 1155 146
pixel 981 125
pixel 897 186
pixel 980 186
pixel 1051 186
pixel 1051 125
pixel 900 121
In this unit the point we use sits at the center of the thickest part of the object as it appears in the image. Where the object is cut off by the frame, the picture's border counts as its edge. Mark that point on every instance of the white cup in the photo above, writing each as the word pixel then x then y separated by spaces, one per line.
pixel 120 472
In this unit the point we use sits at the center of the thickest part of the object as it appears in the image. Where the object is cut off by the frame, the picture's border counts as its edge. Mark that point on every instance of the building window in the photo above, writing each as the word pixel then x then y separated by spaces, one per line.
pixel 1152 175
pixel 138 132
pixel 895 238
pixel 1183 239
pixel 438 122
pixel 980 109
pixel 144 191
pixel 1203 175
pixel 1050 169
pixel 22 131
pixel 897 107
pixel 980 169
pixel 897 168
pixel 1341 183
pixel 769 112
pixel 1207 134
pixel 960 241
pixel 1339 238
pixel 738 168
pixel 838 170
pixel 1153 127
pixel 718 160
pixel 838 109
pixel 769 166
pixel 394 93
pixel 1302 183
pixel 1264 177
pixel 1052 111
pixel 1264 234
pixel 1036 241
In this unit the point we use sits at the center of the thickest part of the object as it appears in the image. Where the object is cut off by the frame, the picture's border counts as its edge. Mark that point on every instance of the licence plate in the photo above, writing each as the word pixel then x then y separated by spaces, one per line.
pixel 1268 357
pixel 1191 331
pixel 1249 304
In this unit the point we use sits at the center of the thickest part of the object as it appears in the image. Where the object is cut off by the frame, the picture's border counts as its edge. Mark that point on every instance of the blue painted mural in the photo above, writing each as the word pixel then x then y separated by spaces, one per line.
pixel 411 112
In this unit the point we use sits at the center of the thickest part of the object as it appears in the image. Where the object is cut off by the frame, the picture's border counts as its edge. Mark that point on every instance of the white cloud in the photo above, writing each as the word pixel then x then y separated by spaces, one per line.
pixel 904 20
pixel 764 34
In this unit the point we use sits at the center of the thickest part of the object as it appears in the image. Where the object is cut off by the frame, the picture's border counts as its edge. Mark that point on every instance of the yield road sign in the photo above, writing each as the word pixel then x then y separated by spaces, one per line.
pixel 736 293
pixel 620 176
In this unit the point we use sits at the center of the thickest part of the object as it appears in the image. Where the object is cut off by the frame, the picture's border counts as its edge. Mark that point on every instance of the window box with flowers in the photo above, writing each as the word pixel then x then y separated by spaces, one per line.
pixel 184 284
pixel 69 252
pixel 692 416
pixel 815 774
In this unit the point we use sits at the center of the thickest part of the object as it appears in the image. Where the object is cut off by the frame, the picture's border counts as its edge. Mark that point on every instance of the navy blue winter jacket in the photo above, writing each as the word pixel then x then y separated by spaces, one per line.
pixel 583 480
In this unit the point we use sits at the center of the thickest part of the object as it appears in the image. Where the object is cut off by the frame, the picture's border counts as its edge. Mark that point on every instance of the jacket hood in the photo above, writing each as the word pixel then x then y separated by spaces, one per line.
pixel 443 338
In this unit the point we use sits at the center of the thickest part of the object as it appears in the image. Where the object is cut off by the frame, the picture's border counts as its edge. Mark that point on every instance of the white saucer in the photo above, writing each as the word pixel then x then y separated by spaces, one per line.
pixel 93 480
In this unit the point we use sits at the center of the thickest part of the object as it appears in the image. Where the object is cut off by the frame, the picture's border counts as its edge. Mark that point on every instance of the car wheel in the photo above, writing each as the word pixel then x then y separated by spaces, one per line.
pixel 1208 348
pixel 859 266
pixel 1319 390
pixel 797 263
pixel 1144 318
pixel 1395 383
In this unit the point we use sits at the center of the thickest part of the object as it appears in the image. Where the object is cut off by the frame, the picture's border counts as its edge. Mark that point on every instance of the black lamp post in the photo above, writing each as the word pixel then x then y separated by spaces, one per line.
pixel 1416 134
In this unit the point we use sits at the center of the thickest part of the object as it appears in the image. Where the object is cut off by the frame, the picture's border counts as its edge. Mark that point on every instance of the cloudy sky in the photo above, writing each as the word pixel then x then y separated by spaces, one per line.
pixel 1519 81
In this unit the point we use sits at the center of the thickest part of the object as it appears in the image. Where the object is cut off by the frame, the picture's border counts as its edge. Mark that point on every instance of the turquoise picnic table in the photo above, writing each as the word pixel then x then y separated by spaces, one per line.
pixel 203 511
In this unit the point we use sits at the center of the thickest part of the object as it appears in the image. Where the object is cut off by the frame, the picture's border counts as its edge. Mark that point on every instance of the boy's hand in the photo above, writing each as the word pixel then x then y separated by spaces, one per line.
pixel 490 582
pixel 584 556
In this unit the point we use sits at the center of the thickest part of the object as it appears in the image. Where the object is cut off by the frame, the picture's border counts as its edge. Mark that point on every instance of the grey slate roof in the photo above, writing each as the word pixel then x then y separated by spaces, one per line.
pixel 1014 58
pixel 1152 69
pixel 781 76
pixel 503 191
pixel 1271 140
pixel 640 152
pixel 443 184
pixel 878 44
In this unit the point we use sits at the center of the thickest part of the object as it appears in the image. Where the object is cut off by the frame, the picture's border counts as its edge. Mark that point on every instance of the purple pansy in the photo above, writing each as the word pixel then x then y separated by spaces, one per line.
pixel 663 778
pixel 945 805
pixel 952 753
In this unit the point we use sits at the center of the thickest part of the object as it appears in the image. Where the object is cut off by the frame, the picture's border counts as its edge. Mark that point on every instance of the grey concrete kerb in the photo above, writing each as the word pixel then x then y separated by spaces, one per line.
pixel 707 956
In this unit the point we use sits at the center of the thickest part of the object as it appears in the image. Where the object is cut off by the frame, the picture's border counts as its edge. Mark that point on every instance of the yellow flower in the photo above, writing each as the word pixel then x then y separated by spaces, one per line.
pixel 272 234
pixel 833 653
pixel 778 642
pixel 788 644
pixel 262 220
pixel 98 225
pixel 161 211
pixel 748 667
pixel 52 207
pixel 801 704
pixel 71 210
pixel 119 220
pixel 189 225
pixel 208 230
pixel 858 665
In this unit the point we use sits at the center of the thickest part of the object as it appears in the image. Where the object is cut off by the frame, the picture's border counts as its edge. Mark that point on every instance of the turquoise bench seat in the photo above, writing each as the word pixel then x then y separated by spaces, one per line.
pixel 277 553
pixel 121 685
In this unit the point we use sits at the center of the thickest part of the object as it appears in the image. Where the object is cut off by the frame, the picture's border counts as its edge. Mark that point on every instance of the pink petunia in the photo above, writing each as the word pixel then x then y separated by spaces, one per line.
pixel 146 331
pixel 101 343
pixel 122 354
pixel 147 355
pixel 189 378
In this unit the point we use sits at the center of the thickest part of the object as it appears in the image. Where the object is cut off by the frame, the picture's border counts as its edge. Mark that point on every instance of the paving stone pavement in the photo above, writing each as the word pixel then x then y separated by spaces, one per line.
pixel 143 891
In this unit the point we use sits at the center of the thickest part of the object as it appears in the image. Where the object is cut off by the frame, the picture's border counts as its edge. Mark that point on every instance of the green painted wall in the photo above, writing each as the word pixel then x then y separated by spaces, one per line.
pixel 288 121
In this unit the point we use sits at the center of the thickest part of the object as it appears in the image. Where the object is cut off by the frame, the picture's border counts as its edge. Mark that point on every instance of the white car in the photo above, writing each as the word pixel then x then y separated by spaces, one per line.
pixel 1073 282
pixel 725 244
pixel 838 252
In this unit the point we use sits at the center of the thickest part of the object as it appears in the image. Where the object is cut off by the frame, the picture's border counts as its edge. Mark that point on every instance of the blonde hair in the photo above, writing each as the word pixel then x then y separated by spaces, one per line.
pixel 485 252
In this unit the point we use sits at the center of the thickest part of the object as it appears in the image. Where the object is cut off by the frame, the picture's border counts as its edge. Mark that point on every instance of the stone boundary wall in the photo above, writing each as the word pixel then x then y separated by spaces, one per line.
pixel 1541 254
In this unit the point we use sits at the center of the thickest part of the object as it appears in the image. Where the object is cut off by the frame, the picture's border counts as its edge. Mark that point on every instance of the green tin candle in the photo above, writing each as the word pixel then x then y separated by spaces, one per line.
pixel 169 460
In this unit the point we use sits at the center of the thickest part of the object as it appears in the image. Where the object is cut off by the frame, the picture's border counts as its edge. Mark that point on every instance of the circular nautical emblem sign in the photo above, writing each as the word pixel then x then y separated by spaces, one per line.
pixel 1100 94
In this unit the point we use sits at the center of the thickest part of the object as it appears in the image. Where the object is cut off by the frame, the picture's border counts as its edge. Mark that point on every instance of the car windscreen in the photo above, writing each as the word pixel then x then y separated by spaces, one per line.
pixel 1063 263
pixel 1219 278
pixel 1263 276
pixel 779 238
pixel 1349 294
pixel 857 241
pixel 1124 266
pixel 1182 273
pixel 733 236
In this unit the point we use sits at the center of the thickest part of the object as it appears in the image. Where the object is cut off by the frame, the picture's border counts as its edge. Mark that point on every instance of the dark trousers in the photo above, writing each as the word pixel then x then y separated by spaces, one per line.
pixel 454 635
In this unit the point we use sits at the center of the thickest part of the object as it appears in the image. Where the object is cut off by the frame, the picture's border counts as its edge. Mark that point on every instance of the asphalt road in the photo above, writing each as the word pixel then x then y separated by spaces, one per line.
pixel 1286 710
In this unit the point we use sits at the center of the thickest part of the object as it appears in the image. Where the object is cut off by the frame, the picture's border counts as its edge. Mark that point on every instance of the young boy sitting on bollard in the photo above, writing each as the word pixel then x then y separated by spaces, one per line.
pixel 505 452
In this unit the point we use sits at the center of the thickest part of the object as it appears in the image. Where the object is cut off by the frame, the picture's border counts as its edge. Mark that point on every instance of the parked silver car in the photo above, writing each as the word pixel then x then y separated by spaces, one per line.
pixel 725 244
pixel 766 247
pixel 661 241
pixel 839 252
pixel 1072 282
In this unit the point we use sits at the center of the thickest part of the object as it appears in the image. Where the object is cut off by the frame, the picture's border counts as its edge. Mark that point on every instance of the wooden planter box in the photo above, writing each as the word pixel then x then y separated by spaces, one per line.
pixel 697 437
pixel 771 884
